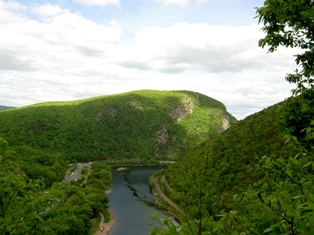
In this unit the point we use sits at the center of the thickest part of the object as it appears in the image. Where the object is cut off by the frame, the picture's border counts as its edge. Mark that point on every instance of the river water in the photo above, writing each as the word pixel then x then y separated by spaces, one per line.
pixel 132 201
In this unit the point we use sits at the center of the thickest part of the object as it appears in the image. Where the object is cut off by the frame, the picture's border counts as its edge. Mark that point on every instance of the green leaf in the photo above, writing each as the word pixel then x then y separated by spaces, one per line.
pixel 268 229
pixel 287 207
pixel 307 164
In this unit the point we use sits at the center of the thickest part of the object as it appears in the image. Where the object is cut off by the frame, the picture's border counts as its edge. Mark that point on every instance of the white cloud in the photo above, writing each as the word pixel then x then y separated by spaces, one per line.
pixel 11 11
pixel 28 44
pixel 182 3
pixel 197 47
pixel 201 1
pixel 98 2
pixel 64 56
pixel 47 10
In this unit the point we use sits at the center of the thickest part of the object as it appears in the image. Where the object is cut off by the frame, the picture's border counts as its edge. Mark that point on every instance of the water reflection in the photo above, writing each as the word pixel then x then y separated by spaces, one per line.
pixel 131 201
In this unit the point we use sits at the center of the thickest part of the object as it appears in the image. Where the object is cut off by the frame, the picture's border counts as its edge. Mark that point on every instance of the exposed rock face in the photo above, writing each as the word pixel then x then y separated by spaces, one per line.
pixel 137 106
pixel 182 112
pixel 38 126
pixel 111 112
pixel 162 138
pixel 99 116
pixel 225 123
pixel 179 113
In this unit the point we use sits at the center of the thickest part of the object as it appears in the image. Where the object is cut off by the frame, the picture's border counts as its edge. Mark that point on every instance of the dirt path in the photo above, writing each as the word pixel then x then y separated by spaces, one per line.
pixel 106 227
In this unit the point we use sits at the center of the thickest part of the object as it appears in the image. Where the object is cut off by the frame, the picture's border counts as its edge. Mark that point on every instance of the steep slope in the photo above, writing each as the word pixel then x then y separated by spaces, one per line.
pixel 210 181
pixel 140 125
pixel 241 146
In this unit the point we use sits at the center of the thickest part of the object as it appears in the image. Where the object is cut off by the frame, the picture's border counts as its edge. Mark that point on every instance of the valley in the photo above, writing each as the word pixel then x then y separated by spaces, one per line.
pixel 157 162
pixel 217 177
pixel 137 128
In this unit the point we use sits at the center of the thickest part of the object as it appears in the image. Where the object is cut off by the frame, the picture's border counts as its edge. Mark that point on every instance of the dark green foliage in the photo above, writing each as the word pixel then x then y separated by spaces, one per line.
pixel 297 115
pixel 27 206
pixel 217 183
pixel 290 24
pixel 141 124
pixel 258 183
pixel 22 199
pixel 38 164
pixel 135 127
pixel 80 205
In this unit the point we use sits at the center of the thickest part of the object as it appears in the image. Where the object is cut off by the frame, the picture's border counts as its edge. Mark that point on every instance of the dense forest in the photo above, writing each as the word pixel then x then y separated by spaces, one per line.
pixel 254 178
pixel 257 177
pixel 136 126
pixel 38 143
pixel 34 199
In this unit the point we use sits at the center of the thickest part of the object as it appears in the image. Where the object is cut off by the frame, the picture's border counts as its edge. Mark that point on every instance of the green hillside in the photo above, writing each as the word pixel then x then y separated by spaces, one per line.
pixel 38 142
pixel 142 125
pixel 248 180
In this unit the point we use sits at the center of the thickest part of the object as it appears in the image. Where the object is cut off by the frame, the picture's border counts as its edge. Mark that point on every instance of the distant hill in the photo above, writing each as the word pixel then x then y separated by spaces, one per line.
pixel 2 107
pixel 141 125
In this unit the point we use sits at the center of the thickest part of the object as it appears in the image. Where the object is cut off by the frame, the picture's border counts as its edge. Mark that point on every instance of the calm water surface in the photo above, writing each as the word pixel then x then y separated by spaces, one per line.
pixel 131 201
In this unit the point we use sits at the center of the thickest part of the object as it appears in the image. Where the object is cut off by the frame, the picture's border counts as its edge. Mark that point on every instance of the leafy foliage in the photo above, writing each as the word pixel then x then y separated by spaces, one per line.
pixel 290 24
pixel 80 204
pixel 229 185
pixel 245 192
pixel 21 199
pixel 28 206
pixel 146 125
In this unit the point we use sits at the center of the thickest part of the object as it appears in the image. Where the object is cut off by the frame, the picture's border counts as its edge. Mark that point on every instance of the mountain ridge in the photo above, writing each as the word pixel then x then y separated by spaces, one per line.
pixel 145 125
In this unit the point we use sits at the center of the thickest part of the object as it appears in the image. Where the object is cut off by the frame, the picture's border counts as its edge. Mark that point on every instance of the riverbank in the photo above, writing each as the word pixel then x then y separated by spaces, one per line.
pixel 105 228
pixel 117 163
pixel 165 202
pixel 132 201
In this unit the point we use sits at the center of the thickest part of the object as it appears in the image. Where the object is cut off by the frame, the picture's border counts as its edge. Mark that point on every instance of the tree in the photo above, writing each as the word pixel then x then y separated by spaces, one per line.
pixel 192 190
pixel 22 200
pixel 290 23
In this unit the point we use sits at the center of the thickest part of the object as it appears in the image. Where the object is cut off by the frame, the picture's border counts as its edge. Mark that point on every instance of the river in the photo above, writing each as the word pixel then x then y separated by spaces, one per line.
pixel 132 201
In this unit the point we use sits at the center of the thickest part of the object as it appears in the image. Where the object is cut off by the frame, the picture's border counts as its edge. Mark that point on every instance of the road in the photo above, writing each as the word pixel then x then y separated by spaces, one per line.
pixel 164 197
pixel 76 174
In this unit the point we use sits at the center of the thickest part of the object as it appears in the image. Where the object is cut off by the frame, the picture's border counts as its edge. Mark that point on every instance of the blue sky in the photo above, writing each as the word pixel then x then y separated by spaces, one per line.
pixel 67 50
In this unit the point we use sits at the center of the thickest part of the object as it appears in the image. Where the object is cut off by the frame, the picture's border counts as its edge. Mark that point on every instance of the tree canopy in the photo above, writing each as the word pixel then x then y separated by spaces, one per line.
pixel 30 204
pixel 257 183
pixel 139 126
pixel 290 23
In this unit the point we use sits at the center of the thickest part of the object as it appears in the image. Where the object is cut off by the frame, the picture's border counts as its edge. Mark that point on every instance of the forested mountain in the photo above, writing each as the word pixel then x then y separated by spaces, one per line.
pixel 251 179
pixel 38 142
pixel 142 125
pixel 2 108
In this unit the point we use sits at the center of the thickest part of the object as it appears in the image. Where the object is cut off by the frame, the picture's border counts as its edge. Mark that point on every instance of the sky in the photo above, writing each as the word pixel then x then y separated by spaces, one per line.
pixel 60 50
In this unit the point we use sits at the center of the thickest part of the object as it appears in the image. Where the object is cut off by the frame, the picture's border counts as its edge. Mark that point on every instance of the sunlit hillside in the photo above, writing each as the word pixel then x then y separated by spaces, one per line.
pixel 143 126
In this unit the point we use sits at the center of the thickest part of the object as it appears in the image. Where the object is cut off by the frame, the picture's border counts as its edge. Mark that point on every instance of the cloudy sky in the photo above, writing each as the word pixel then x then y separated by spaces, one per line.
pixel 72 49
